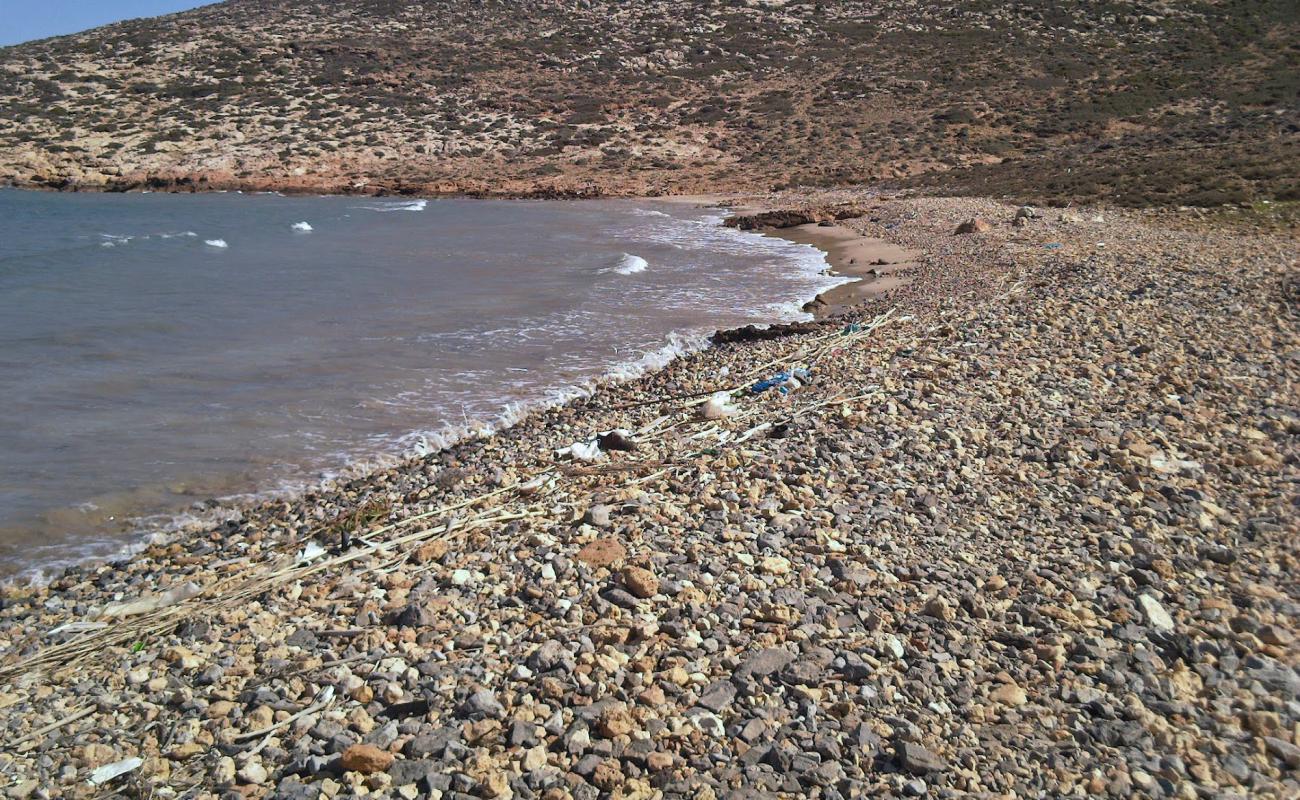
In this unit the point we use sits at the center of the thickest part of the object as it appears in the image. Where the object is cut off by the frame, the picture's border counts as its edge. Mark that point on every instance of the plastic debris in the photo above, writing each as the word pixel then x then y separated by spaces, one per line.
pixel 583 451
pixel 784 382
pixel 310 553
pixel 718 406
pixel 146 604
pixel 1053 246
pixel 108 772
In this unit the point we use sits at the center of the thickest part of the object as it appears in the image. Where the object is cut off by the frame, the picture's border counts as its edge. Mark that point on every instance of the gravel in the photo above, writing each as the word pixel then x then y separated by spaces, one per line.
pixel 1048 549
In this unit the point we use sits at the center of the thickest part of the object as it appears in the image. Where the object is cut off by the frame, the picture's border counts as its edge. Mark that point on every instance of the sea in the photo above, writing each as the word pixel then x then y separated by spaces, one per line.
pixel 160 351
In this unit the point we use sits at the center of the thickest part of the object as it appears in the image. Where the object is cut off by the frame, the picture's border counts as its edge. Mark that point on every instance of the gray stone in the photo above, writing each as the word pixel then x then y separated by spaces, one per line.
pixel 916 759
pixel 717 695
pixel 764 663
pixel 598 515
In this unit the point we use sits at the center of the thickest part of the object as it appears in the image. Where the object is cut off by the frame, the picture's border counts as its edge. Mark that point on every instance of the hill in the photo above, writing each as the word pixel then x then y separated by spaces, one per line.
pixel 1130 102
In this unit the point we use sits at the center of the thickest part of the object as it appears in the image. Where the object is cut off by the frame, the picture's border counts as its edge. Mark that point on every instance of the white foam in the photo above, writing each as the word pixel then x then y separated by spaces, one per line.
pixel 305 227
pixel 629 265
pixel 220 243
pixel 409 205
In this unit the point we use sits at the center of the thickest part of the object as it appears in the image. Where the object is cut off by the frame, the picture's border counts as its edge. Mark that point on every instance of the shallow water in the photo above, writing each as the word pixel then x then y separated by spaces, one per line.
pixel 157 350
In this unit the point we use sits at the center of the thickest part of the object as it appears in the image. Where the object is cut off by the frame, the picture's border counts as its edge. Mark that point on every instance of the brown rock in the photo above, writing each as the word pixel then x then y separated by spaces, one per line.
pixel 938 608
pixel 1009 694
pixel 1276 636
pixel 607 775
pixel 615 721
pixel 366 759
pixel 974 225
pixel 659 761
pixel 640 582
pixel 429 552
pixel 602 553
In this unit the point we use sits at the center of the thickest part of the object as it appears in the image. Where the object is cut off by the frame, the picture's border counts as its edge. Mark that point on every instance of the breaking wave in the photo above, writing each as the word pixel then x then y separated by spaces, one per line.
pixel 629 265
pixel 408 205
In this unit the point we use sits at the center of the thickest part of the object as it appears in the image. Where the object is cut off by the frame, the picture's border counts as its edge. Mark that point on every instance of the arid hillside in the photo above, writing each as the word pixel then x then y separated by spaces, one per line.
pixel 1129 102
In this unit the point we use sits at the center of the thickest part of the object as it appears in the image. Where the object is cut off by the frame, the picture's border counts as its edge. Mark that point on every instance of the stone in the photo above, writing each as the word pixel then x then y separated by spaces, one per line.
pixel 598 516
pixel 548 656
pixel 764 663
pixel 407 771
pixel 615 720
pixel 429 552
pixel 717 696
pixel 640 582
pixel 366 759
pixel 708 724
pixel 974 225
pixel 916 759
pixel 939 608
pixel 253 772
pixel 602 553
pixel 1009 694
pixel 1283 750
pixel 1155 613
pixel 482 703
pixel 1275 635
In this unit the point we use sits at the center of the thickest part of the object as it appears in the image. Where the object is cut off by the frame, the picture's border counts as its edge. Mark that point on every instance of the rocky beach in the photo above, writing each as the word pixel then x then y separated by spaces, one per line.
pixel 1025 526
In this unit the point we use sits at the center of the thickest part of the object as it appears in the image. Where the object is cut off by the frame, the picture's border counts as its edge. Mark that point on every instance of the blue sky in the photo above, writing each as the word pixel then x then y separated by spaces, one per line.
pixel 23 20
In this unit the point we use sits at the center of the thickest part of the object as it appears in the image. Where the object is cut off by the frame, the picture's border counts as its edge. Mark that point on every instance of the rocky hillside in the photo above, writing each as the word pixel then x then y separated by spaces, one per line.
pixel 1131 101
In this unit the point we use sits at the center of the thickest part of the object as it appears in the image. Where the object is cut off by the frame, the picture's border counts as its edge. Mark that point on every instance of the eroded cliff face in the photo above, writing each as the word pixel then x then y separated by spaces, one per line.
pixel 1130 102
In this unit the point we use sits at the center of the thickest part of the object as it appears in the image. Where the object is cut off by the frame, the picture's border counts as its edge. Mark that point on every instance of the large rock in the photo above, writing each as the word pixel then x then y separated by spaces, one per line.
pixel 764 663
pixel 640 582
pixel 602 553
pixel 974 225
pixel 366 759
pixel 916 759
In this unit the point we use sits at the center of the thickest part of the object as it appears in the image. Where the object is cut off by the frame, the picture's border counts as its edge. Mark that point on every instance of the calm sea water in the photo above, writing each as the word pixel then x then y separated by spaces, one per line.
pixel 158 350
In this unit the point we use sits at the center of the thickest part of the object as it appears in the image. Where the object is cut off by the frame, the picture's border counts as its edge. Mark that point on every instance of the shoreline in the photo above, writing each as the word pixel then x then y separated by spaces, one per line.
pixel 162 527
pixel 969 531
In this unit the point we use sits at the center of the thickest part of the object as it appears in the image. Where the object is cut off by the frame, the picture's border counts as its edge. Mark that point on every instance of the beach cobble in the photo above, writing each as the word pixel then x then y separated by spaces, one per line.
pixel 1029 530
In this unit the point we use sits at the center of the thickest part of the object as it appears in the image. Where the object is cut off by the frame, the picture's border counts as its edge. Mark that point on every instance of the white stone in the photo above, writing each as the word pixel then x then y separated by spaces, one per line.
pixel 1156 615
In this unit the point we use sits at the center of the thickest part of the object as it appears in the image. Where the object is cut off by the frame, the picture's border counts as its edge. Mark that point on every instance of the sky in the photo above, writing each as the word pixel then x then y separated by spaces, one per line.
pixel 24 20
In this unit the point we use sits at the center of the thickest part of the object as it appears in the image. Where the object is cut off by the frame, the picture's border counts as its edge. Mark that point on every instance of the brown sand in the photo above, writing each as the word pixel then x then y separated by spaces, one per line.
pixel 878 266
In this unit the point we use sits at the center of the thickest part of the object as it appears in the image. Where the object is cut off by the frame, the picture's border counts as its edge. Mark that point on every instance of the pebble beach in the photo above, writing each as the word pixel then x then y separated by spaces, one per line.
pixel 1028 530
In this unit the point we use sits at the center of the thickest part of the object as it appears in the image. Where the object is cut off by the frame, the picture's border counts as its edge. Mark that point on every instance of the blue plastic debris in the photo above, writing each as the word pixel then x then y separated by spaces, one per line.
pixel 782 381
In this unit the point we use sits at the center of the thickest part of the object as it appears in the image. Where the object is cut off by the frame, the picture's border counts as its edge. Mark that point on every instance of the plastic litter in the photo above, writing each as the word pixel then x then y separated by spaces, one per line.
pixel 784 382
pixel 583 451
pixel 146 604
pixel 108 772
pixel 718 406
pixel 1053 246
pixel 310 553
